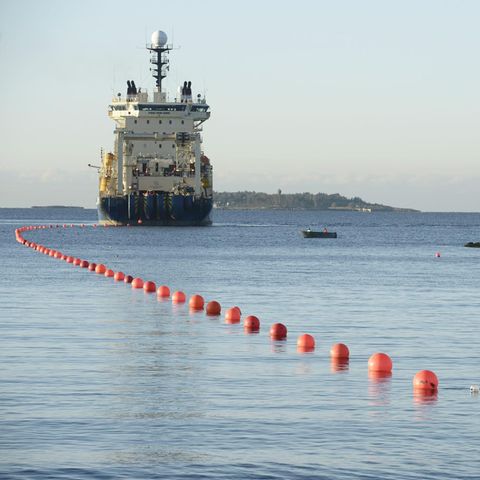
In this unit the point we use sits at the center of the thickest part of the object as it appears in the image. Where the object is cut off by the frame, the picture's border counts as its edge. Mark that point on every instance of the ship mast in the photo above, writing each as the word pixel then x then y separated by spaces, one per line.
pixel 159 59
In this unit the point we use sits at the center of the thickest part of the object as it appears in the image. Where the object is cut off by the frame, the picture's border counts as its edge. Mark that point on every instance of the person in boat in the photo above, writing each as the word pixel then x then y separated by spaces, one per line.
pixel 325 230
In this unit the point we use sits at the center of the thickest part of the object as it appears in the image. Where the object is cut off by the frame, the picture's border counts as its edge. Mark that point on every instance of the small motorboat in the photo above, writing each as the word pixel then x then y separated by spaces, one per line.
pixel 323 234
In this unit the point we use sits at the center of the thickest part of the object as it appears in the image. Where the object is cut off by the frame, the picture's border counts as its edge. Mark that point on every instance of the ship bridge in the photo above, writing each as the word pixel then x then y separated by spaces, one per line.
pixel 123 107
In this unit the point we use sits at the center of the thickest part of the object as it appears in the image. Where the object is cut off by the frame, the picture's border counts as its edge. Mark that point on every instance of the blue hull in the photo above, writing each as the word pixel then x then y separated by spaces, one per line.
pixel 160 208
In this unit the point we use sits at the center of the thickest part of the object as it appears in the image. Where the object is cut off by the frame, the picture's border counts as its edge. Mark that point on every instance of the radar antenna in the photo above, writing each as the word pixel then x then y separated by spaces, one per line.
pixel 159 50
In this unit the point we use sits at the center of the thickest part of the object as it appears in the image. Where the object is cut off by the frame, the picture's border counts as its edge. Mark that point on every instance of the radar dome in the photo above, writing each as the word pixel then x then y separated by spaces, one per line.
pixel 159 38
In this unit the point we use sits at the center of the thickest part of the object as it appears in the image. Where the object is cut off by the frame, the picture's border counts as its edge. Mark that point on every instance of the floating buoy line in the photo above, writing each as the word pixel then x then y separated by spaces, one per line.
pixel 380 365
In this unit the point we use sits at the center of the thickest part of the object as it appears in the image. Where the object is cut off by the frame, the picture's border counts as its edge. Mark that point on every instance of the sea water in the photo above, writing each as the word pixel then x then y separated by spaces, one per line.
pixel 102 381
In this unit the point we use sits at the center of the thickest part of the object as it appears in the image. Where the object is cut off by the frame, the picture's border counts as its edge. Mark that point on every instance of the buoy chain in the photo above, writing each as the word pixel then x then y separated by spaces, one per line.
pixel 379 364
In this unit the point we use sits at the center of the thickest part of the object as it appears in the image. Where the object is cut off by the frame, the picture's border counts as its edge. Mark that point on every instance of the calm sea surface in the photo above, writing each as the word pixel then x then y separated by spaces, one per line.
pixel 99 381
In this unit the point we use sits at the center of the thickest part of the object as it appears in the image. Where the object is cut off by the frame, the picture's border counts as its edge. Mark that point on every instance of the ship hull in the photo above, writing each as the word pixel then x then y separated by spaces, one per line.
pixel 158 209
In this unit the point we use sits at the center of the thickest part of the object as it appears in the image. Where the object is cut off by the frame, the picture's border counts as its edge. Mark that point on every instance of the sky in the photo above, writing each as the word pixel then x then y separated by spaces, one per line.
pixel 371 98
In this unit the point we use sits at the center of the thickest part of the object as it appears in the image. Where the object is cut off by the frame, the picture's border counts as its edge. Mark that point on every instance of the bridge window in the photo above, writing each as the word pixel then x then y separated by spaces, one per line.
pixel 161 108
pixel 200 108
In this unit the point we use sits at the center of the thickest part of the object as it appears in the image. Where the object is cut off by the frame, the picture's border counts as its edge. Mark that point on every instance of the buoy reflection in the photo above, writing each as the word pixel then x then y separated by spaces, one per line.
pixel 425 397
pixel 379 387
pixel 339 365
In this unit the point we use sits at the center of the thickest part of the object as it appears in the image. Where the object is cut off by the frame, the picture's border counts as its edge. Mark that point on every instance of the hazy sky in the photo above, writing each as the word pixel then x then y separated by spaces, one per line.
pixel 374 98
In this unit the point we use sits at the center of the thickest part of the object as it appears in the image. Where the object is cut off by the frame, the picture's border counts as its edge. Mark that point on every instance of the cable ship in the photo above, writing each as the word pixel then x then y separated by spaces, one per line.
pixel 157 173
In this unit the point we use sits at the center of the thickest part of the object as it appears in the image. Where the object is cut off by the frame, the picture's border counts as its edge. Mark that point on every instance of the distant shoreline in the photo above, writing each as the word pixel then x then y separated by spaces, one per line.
pixel 300 209
pixel 58 206
pixel 249 200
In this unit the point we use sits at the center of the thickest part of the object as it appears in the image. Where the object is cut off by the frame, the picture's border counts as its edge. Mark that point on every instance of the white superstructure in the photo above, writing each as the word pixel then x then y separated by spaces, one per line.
pixel 157 141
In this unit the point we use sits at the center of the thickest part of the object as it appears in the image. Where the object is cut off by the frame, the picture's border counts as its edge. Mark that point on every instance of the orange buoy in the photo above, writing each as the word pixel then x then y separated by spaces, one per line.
pixel 238 310
pixel 137 283
pixel 232 315
pixel 306 342
pixel 178 297
pixel 437 255
pixel 69 259
pixel 339 350
pixel 140 221
pixel 149 287
pixel 119 276
pixel 278 331
pixel 251 324
pixel 84 264
pixel 100 269
pixel 77 262
pixel 58 254
pixel 52 253
pixel 92 267
pixel 196 302
pixel 163 291
pixel 128 279
pixel 109 273
pixel 47 252
pixel 380 362
pixel 213 308
pixel 425 380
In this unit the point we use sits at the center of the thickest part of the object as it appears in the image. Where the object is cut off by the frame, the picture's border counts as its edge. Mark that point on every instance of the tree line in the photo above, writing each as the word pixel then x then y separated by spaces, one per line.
pixel 304 201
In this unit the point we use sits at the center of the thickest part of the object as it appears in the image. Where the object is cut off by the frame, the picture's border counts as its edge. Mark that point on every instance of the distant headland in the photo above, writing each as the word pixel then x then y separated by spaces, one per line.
pixel 57 206
pixel 298 201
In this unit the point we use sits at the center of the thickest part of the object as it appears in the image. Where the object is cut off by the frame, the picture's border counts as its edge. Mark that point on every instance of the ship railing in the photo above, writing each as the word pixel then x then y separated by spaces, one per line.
pixel 141 97
pixel 178 174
